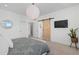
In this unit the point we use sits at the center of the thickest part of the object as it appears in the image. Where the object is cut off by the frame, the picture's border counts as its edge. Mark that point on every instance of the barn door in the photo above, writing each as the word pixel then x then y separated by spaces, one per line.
pixel 46 30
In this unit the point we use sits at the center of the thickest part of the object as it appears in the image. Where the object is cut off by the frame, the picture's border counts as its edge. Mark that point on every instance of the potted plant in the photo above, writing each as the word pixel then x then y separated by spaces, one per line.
pixel 73 36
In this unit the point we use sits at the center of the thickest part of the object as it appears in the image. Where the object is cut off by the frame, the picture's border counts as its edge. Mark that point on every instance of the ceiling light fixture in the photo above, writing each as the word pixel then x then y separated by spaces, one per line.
pixel 33 12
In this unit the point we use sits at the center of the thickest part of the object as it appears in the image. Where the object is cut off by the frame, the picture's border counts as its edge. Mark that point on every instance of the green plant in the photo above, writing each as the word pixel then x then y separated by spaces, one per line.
pixel 72 33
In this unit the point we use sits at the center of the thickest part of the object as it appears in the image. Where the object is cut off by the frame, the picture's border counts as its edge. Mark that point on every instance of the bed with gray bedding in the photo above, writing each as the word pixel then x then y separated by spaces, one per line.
pixel 28 46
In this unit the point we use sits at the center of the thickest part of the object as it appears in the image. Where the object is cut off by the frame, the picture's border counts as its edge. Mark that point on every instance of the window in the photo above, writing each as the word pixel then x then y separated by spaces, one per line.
pixel 7 24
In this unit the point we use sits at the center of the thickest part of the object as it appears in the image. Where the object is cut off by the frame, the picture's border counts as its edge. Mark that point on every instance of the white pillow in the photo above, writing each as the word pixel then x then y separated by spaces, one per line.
pixel 3 46
pixel 5 43
pixel 10 43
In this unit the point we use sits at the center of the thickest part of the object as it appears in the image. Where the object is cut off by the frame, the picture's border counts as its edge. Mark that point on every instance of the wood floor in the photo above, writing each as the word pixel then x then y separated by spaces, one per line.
pixel 59 49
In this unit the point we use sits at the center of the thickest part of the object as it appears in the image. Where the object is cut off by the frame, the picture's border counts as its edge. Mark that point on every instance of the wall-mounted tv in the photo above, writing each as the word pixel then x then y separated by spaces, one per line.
pixel 61 24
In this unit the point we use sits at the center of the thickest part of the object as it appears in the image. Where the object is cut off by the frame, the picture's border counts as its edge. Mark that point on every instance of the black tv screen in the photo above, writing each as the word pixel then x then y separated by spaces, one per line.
pixel 61 24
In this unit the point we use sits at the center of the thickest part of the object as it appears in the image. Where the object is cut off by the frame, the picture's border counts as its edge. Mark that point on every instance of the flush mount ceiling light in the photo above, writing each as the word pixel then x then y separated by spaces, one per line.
pixel 33 12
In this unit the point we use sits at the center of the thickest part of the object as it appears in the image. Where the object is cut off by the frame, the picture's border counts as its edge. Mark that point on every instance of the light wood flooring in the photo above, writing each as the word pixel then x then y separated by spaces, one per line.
pixel 60 49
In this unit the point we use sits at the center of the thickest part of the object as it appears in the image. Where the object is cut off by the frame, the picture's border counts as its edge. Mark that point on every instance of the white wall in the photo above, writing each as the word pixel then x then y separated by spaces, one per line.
pixel 60 34
pixel 20 25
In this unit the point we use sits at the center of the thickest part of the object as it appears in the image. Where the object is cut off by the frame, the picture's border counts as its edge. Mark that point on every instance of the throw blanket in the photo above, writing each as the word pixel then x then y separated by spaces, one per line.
pixel 28 46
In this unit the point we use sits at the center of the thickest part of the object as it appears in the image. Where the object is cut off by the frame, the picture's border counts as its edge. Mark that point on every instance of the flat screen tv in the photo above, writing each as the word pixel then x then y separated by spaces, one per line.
pixel 61 24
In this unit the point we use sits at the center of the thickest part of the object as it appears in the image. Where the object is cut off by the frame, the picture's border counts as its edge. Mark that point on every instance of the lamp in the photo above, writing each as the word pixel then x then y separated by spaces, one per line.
pixel 33 12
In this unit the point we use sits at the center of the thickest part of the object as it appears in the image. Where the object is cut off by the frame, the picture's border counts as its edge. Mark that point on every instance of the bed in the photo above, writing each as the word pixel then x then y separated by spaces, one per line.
pixel 28 46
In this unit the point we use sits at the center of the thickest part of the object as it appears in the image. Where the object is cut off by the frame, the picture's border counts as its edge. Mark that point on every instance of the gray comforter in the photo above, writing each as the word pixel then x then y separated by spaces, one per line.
pixel 27 46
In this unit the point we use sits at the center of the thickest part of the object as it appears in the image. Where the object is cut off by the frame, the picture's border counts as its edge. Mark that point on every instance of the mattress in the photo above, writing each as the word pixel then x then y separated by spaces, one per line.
pixel 28 46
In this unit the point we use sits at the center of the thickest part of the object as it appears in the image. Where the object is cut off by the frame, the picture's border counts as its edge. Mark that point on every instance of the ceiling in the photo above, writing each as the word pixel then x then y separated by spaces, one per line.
pixel 45 8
